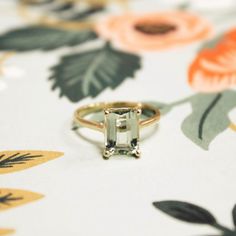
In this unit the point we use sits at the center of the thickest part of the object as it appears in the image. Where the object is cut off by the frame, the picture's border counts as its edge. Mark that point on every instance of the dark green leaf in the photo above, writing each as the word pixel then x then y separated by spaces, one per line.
pixel 186 212
pixel 229 234
pixel 209 116
pixel 88 73
pixel 234 215
pixel 43 38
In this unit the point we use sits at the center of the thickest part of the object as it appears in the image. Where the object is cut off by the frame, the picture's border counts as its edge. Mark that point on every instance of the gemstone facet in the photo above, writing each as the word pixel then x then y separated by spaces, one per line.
pixel 121 132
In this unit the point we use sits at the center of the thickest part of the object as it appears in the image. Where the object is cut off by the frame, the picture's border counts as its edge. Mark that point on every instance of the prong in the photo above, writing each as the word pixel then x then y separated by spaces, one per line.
pixel 136 153
pixel 139 111
pixel 106 112
pixel 107 154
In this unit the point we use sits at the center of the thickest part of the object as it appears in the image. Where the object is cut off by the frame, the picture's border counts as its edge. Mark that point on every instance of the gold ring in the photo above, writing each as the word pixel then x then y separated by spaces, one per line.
pixel 121 124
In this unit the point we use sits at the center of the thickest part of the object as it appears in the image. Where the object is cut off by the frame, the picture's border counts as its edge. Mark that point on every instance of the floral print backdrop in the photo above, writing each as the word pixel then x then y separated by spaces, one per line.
pixel 103 50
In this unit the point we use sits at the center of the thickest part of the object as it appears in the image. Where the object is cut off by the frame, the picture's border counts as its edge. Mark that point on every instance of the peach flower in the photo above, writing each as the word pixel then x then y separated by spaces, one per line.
pixel 214 69
pixel 153 31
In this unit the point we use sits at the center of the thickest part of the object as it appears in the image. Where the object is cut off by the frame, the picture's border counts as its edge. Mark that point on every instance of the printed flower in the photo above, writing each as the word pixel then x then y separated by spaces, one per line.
pixel 214 69
pixel 230 38
pixel 155 31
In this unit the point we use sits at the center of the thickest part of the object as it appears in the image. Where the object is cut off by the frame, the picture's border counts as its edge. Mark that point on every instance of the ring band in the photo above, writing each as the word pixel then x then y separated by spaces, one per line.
pixel 83 111
pixel 121 124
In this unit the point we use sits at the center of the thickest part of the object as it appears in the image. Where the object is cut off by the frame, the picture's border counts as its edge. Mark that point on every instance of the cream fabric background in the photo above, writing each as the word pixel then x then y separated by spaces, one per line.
pixel 85 195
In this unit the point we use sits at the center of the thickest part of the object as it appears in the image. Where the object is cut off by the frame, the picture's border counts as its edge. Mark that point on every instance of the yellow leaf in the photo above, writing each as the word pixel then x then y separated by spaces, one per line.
pixel 11 161
pixel 10 198
pixel 232 126
pixel 6 231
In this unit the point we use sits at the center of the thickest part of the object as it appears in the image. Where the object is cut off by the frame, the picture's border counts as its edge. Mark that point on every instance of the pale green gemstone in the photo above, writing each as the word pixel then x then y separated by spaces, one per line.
pixel 121 132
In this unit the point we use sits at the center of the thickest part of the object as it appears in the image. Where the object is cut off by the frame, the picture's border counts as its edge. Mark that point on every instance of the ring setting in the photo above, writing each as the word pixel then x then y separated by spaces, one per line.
pixel 121 125
pixel 121 131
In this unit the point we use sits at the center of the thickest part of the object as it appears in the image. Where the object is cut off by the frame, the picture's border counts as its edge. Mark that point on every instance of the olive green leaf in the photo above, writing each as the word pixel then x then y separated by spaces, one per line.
pixel 209 116
pixel 43 38
pixel 87 74
pixel 186 212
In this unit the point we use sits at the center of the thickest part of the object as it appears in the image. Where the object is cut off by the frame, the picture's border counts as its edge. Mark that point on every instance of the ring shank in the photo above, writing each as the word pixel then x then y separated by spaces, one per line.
pixel 83 111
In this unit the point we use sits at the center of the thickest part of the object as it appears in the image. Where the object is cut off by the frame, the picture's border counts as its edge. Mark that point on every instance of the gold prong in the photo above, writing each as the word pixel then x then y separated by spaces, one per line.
pixel 137 153
pixel 106 112
pixel 139 111
pixel 106 154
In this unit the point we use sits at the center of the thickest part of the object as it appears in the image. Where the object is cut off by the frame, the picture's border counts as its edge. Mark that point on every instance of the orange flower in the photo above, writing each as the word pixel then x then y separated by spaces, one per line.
pixel 155 31
pixel 230 37
pixel 214 69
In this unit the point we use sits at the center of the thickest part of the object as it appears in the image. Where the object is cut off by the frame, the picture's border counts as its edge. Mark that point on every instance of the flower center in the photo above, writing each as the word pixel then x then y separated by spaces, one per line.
pixel 155 28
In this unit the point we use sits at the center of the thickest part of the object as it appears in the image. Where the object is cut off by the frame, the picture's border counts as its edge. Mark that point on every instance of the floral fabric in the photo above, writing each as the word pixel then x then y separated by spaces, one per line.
pixel 176 55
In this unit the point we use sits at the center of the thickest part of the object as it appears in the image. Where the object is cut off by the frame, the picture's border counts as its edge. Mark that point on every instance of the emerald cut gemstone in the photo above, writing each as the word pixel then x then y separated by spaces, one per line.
pixel 121 132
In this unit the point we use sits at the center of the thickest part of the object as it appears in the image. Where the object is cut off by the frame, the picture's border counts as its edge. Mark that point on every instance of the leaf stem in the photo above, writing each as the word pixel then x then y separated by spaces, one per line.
pixel 182 101
pixel 221 228
pixel 206 113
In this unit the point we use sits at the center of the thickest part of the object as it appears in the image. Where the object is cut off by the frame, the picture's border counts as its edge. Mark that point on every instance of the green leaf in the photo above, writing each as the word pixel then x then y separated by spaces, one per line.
pixel 229 234
pixel 186 212
pixel 88 73
pixel 43 38
pixel 234 215
pixel 209 116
